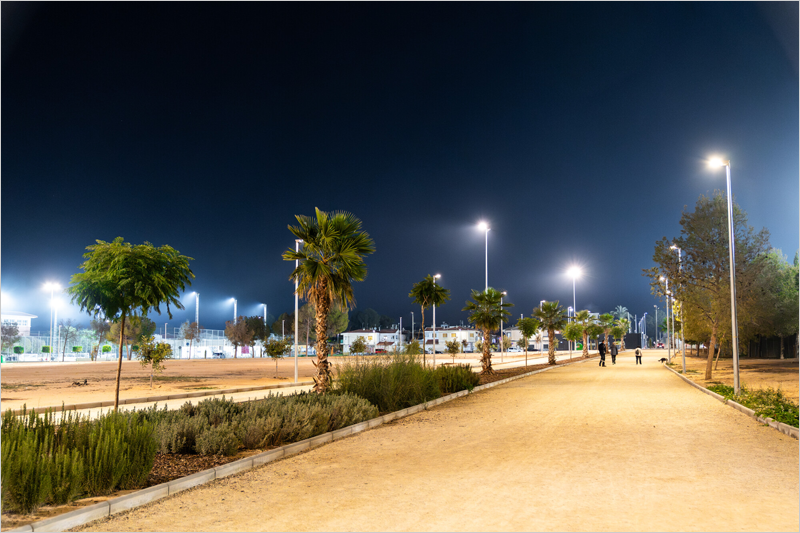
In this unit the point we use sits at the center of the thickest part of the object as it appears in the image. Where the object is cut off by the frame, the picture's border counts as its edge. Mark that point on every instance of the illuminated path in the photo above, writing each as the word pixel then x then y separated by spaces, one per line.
pixel 577 448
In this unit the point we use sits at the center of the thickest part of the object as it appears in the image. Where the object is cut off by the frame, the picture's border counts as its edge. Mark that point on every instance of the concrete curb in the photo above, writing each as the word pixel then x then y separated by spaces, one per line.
pixel 163 398
pixel 135 499
pixel 779 426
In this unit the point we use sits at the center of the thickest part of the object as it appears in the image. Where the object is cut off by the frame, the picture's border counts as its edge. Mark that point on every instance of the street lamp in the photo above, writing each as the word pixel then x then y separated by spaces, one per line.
pixel 656 332
pixel 296 317
pixel 683 338
pixel 541 339
pixel 669 336
pixel 52 287
pixel 437 276
pixel 715 163
pixel 575 272
pixel 502 337
pixel 483 226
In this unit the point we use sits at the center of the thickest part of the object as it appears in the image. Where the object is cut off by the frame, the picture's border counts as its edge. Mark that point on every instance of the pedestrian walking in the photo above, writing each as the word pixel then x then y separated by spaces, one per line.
pixel 638 353
pixel 614 351
pixel 602 349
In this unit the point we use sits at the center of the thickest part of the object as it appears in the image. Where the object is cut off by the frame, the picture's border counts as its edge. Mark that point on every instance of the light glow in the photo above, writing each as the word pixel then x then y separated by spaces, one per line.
pixel 483 226
pixel 575 272
pixel 716 162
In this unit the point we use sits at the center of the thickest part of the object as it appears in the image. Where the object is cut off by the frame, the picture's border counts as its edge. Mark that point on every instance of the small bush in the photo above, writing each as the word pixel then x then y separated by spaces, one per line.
pixel 767 402
pixel 217 440
pixel 19 350
pixel 106 348
pixel 45 349
pixel 26 477
pixel 456 378
pixel 77 349
pixel 67 476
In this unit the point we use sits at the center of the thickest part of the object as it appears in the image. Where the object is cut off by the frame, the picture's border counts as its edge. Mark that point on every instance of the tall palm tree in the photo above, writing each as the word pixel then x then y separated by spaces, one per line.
pixel 606 322
pixel 625 324
pixel 553 317
pixel 588 328
pixel 331 259
pixel 427 293
pixel 620 312
pixel 486 312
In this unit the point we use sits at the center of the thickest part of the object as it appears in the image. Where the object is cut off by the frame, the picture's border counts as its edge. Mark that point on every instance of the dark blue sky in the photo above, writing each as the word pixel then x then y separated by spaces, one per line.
pixel 579 131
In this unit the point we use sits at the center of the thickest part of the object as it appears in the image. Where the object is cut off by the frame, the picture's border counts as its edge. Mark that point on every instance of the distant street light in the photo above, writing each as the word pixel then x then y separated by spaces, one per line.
pixel 483 226
pixel 575 272
pixel 235 307
pixel 437 276
pixel 683 337
pixel 716 163
pixel 296 316
pixel 52 287
pixel 669 336
pixel 656 333
pixel 502 337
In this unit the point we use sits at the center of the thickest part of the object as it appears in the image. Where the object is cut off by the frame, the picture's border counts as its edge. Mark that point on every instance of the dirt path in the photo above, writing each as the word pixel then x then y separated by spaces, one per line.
pixel 580 448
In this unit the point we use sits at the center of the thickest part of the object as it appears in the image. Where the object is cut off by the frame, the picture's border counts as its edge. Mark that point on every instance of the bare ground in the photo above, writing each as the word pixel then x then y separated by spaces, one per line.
pixel 578 448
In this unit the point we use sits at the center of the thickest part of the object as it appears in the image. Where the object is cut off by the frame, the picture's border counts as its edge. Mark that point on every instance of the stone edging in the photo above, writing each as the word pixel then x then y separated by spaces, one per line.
pixel 100 510
pixel 199 394
pixel 780 426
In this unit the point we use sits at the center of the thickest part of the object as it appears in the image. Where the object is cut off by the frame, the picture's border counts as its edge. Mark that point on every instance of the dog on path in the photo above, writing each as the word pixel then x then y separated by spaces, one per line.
pixel 662 360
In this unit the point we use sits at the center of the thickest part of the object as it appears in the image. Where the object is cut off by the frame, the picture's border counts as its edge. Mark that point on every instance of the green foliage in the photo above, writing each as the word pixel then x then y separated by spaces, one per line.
pixel 553 317
pixel 453 347
pixel 456 378
pixel 486 311
pixel 26 481
pixel 77 349
pixel 617 332
pixel 19 350
pixel 358 346
pixel 276 348
pixel 106 348
pixel 45 349
pixel 767 402
pixel 217 440
pixel 154 354
pixel 573 331
pixel 412 348
pixel 391 383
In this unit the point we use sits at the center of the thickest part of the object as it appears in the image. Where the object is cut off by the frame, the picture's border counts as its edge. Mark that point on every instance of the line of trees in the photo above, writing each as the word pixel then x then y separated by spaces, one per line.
pixel 766 283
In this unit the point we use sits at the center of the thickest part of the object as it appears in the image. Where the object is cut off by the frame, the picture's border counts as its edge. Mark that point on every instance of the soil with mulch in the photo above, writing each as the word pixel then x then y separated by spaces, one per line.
pixel 516 371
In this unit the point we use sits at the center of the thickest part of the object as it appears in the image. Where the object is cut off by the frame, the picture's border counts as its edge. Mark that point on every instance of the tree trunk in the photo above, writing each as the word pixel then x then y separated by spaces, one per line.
pixel 781 346
pixel 711 345
pixel 235 350
pixel 151 376
pixel 486 357
pixel 586 345
pixel 322 379
pixel 119 364
pixel 551 349
pixel 191 343
pixel 526 353
pixel 308 328
pixel 719 351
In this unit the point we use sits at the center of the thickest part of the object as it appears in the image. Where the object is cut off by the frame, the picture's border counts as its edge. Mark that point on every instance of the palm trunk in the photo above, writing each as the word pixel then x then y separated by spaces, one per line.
pixel 322 379
pixel 711 345
pixel 486 359
pixel 551 349
pixel 585 344
pixel 308 328
pixel 119 364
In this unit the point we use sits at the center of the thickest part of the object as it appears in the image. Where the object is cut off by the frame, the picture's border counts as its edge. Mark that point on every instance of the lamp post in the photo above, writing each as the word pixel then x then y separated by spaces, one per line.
pixel 575 272
pixel 683 338
pixel 716 162
pixel 433 341
pixel 235 307
pixel 485 227
pixel 412 326
pixel 265 317
pixel 502 337
pixel 656 333
pixel 669 336
pixel 296 317
pixel 52 287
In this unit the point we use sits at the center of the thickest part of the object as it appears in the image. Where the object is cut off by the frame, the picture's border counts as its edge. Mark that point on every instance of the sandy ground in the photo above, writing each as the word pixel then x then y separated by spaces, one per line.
pixel 51 384
pixel 578 448
pixel 753 373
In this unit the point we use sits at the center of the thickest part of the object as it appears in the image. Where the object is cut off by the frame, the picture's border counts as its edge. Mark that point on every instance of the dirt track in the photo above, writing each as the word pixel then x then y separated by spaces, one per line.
pixel 579 448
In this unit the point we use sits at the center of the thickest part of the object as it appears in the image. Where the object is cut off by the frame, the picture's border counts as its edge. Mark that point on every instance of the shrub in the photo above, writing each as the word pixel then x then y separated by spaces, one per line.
pixel 767 402
pixel 106 348
pixel 25 474
pixel 67 476
pixel 217 440
pixel 456 378
pixel 45 349
pixel 77 349
pixel 19 349
pixel 391 383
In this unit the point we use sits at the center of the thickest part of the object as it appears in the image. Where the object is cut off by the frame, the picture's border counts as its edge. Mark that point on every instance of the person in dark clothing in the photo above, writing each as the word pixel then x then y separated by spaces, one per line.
pixel 638 354
pixel 614 351
pixel 602 349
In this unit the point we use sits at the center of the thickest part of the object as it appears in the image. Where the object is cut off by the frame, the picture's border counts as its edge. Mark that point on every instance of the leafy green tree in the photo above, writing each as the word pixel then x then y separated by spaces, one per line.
pixel 620 312
pixel 552 317
pixel 506 343
pixel 284 325
pixel 453 347
pixel 153 354
pixel 412 348
pixel 701 281
pixel 69 332
pixel 331 259
pixel 589 328
pixel 427 293
pixel 191 332
pixel 624 325
pixel 100 329
pixel 238 334
pixel 119 279
pixel 358 346
pixel 785 293
pixel 573 331
pixel 9 334
pixel 365 319
pixel 277 348
pixel 527 328
pixel 486 312
pixel 129 334
pixel 607 323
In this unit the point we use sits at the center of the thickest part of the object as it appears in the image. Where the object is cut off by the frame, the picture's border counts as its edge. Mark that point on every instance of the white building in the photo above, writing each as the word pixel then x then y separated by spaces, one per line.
pixel 540 341
pixel 377 340
pixel 22 320
pixel 446 334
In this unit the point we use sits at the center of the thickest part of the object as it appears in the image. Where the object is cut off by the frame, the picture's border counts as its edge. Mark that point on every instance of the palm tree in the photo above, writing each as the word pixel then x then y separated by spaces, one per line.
pixel 486 312
pixel 606 322
pixel 588 328
pixel 331 259
pixel 620 312
pixel 625 324
pixel 427 293
pixel 553 317
pixel 528 328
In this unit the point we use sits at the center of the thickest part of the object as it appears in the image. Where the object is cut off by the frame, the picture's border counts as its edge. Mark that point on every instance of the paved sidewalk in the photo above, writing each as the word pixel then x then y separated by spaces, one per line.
pixel 577 448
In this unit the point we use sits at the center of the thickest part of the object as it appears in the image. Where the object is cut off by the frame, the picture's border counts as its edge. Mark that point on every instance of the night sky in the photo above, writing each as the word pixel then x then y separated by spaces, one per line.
pixel 578 131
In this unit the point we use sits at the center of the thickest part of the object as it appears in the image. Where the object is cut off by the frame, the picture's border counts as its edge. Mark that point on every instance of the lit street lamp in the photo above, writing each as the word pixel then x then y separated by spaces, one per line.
pixel 656 333
pixel 717 162
pixel 235 307
pixel 52 287
pixel 669 336
pixel 483 226
pixel 437 276
pixel 683 338
pixel 575 272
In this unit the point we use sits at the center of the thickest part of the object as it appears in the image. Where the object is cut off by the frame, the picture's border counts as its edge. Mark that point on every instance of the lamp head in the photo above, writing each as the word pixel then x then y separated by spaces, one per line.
pixel 504 293
pixel 661 278
pixel 575 272
pixel 51 286
pixel 437 276
pixel 673 247
pixel 483 226
pixel 716 162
